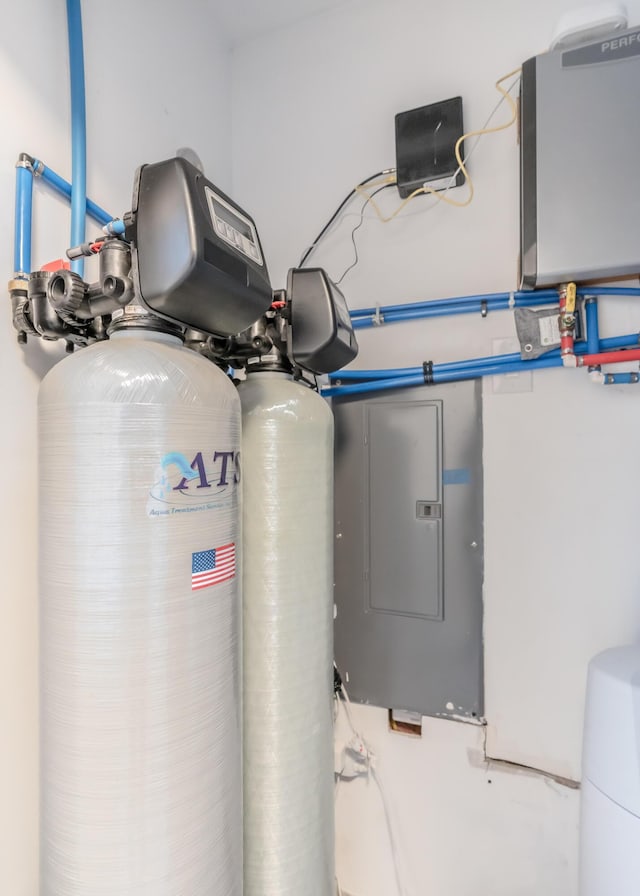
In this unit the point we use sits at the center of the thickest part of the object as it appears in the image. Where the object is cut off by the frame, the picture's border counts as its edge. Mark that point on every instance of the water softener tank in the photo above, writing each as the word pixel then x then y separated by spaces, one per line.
pixel 139 633
pixel 287 640
pixel 610 796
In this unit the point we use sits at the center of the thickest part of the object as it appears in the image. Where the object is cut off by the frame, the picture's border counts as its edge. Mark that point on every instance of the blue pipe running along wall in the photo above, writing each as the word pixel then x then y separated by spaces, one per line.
pixel 78 131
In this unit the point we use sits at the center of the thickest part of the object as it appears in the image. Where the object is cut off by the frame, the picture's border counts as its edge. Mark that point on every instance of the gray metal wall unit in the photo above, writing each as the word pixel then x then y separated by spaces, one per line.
pixel 579 132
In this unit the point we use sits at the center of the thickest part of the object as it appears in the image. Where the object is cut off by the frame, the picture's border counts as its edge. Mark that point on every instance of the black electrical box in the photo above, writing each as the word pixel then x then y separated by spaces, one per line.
pixel 425 146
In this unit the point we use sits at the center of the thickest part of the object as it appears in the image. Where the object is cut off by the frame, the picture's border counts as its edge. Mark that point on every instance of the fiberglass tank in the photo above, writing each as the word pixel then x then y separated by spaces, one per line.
pixel 140 621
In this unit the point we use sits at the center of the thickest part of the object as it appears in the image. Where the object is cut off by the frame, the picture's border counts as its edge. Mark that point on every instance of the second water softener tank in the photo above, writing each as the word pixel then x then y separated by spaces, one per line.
pixel 287 471
pixel 610 799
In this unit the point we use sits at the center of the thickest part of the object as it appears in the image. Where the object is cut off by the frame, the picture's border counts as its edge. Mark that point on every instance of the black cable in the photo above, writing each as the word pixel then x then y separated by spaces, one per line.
pixel 336 213
pixel 357 227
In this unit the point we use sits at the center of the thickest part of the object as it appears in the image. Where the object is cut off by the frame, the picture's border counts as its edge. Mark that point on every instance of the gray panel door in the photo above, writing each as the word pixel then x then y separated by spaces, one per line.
pixel 408 559
pixel 404 543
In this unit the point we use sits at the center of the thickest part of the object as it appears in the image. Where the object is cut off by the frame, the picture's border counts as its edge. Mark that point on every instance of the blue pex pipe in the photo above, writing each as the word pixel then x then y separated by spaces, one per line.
pixel 63 188
pixel 612 379
pixel 593 330
pixel 400 372
pixel 581 348
pixel 459 300
pixel 368 317
pixel 115 228
pixel 631 340
pixel 78 131
pixel 24 206
pixel 463 373
pixel 452 374
pixel 460 370
pixel 608 291
pixel 446 309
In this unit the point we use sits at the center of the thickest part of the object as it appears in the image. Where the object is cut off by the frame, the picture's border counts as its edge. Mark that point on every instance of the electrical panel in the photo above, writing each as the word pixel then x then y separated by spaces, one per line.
pixel 408 551
pixel 579 132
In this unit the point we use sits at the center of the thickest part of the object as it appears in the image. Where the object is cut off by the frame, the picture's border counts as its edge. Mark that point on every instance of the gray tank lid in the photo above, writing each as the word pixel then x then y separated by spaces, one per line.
pixel 611 754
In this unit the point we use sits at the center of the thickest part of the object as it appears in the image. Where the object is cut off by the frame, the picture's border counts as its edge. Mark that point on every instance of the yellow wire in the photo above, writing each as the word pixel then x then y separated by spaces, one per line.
pixel 441 196
pixel 389 179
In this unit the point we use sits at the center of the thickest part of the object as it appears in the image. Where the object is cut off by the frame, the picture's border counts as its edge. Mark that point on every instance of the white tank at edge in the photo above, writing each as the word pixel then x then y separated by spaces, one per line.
pixel 140 623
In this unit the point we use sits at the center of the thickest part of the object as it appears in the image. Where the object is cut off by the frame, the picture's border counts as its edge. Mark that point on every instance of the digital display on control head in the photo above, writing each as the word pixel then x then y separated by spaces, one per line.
pixel 225 214
pixel 234 227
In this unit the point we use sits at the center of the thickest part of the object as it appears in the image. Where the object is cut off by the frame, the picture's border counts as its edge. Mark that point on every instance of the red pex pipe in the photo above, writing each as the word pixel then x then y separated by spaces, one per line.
pixel 608 357
pixel 566 345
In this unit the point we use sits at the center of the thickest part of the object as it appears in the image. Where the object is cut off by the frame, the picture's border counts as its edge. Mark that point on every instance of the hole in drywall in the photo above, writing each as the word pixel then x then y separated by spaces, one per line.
pixel 405 722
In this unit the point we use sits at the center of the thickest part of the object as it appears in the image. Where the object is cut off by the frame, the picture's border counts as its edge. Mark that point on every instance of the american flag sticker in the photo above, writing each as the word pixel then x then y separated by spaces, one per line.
pixel 213 566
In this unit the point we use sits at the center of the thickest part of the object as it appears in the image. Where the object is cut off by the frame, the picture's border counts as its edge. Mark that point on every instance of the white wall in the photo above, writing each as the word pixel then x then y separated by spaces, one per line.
pixel 313 108
pixel 155 81
pixel 313 113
